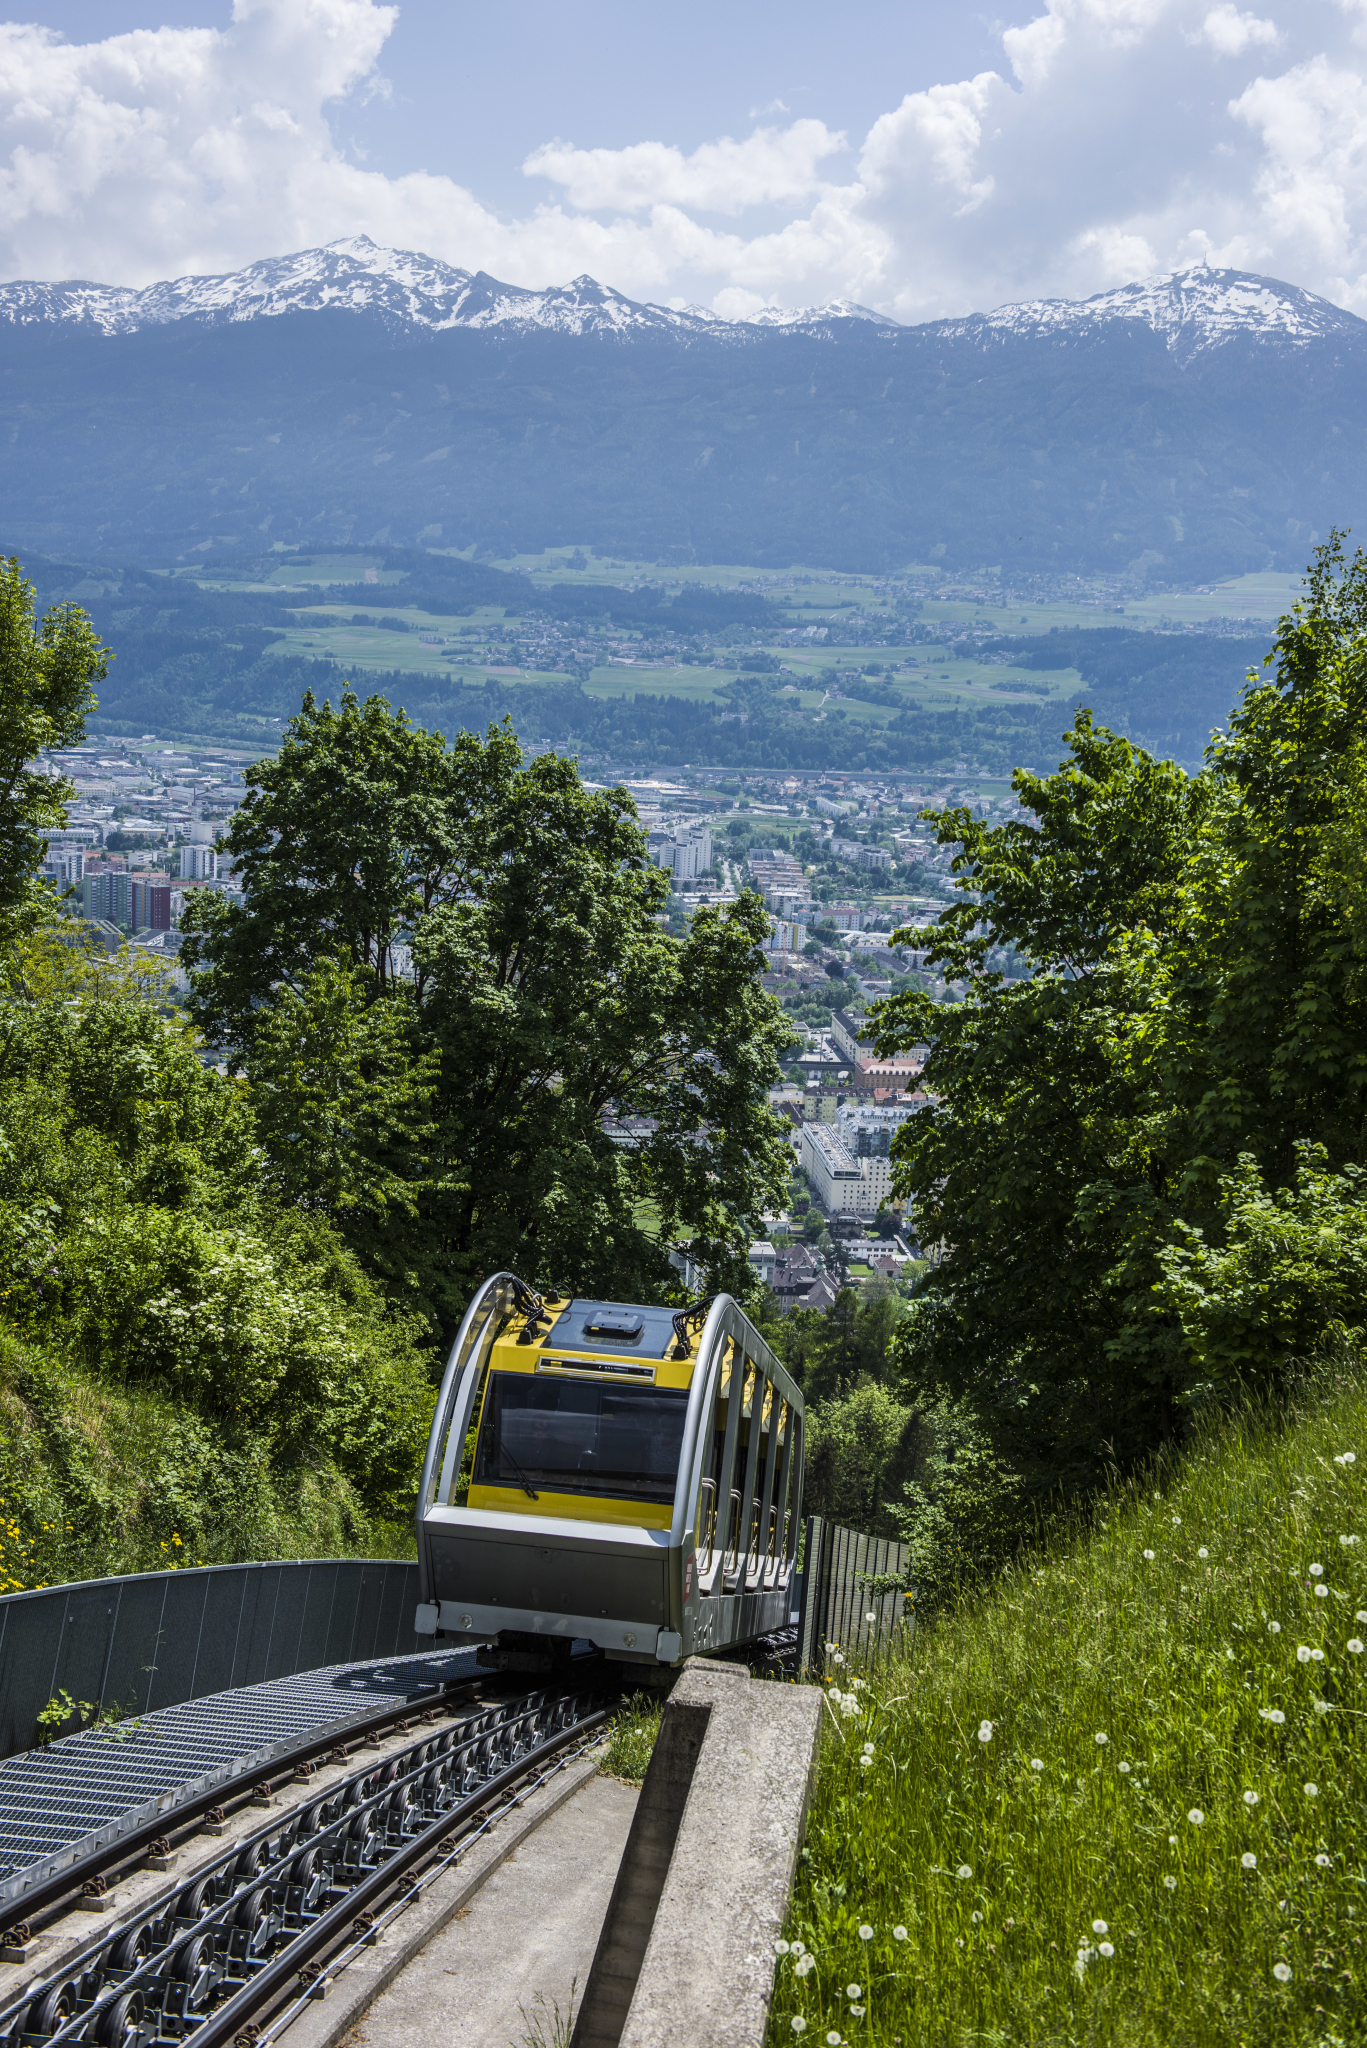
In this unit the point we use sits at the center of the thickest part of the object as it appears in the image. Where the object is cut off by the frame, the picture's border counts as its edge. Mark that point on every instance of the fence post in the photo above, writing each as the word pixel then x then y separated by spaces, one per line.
pixel 813 1594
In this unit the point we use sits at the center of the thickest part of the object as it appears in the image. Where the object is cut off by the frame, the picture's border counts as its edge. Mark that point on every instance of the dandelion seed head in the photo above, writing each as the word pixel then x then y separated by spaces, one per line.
pixel 1317 1571
pixel 806 1965
pixel 976 1918
pixel 870 1616
pixel 1302 1653
pixel 1249 1860
pixel 1346 1458
pixel 1177 1521
pixel 780 1948
pixel 899 1933
pixel 1100 1927
pixel 1321 1592
pixel 1282 1972
pixel 1101 1740
pixel 833 2040
pixel 799 2024
pixel 1104 1948
pixel 1310 1789
pixel 1323 1707
pixel 1149 1554
pixel 799 1948
pixel 985 1731
pixel 1274 1628
pixel 1171 1883
pixel 965 1870
pixel 858 2011
pixel 1323 1861
pixel 866 1932
pixel 1347 1542
pixel 1355 1646
pixel 1203 1552
pixel 1037 1763
pixel 1124 1770
pixel 851 1991
pixel 1195 1816
pixel 1250 1799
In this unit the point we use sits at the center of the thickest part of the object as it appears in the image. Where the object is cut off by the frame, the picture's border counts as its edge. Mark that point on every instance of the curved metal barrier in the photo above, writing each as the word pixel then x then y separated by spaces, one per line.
pixel 153 1640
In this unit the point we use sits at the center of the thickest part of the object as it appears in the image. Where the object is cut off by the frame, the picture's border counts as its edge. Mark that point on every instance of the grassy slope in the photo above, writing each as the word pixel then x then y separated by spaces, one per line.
pixel 98 1479
pixel 999 1858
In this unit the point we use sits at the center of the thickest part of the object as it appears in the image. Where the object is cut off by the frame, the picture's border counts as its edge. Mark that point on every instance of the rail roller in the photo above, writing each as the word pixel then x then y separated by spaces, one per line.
pixel 629 1476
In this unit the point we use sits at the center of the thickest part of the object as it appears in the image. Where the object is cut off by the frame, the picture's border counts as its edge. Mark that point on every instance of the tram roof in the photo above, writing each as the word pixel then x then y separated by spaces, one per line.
pixel 612 1326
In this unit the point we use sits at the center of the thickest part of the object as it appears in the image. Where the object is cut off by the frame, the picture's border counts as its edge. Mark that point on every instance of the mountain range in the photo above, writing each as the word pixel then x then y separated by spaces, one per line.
pixel 1204 423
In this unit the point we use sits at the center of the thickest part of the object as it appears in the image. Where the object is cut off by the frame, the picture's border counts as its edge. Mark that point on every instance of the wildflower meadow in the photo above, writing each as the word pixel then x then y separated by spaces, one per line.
pixel 1117 1797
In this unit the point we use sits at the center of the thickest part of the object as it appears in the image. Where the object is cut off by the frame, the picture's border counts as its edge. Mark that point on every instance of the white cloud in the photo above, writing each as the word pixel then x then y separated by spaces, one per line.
pixel 770 166
pixel 1115 137
pixel 1231 33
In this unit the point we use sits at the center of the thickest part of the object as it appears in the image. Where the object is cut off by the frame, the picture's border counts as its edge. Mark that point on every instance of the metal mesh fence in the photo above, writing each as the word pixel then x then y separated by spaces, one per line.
pixel 839 1609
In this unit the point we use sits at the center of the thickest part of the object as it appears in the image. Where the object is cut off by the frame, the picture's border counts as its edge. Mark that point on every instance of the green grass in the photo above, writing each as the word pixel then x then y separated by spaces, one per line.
pixel 632 1738
pixel 1068 1761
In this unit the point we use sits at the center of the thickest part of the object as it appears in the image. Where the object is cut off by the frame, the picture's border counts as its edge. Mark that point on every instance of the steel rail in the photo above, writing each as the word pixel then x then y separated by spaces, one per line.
pixel 113 1859
pixel 251 1922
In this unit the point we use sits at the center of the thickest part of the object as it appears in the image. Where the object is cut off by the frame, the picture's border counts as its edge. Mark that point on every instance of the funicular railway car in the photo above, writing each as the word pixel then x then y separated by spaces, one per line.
pixel 629 1476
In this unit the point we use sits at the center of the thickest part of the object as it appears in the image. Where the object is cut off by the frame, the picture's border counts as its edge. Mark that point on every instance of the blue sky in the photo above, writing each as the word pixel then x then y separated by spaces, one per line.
pixel 605 75
pixel 923 159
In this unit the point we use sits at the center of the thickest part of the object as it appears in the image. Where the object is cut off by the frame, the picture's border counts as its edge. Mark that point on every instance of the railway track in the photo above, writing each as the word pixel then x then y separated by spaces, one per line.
pixel 231 1952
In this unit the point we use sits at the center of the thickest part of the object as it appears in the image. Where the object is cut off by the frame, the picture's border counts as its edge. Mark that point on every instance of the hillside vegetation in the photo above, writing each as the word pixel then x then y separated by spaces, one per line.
pixel 1119 1798
pixel 235 1247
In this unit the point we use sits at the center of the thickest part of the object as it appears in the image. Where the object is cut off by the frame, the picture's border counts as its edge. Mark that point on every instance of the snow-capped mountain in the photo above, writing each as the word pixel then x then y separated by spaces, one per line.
pixel 1213 421
pixel 1194 310
pixel 817 316
pixel 405 290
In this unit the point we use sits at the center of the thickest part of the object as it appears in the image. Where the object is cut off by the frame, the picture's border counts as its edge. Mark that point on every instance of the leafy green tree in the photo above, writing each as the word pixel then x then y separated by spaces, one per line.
pixel 852 1456
pixel 1195 996
pixel 342 1101
pixel 47 669
pixel 598 1086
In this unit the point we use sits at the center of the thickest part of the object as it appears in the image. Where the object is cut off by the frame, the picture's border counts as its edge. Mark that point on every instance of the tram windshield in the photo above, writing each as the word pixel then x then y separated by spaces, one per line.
pixel 575 1436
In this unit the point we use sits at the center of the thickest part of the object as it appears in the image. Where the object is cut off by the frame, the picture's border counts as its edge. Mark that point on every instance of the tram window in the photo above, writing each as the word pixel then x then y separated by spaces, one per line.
pixel 571 1436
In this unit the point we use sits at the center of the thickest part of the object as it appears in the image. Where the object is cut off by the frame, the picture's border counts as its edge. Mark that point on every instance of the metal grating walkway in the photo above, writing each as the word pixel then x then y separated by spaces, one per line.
pixel 60 1803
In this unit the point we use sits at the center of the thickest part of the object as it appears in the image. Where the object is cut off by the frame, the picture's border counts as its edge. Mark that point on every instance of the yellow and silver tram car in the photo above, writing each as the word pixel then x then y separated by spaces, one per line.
pixel 629 1476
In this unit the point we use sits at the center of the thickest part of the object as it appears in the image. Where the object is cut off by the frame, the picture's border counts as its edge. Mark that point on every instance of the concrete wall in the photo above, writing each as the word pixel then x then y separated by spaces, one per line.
pixel 686 1956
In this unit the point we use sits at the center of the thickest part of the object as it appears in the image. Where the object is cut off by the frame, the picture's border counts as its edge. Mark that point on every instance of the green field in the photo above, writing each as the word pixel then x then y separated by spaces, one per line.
pixel 944 682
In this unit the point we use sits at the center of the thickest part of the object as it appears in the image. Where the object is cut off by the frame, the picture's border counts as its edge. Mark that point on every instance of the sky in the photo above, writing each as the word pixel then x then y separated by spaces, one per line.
pixel 920 158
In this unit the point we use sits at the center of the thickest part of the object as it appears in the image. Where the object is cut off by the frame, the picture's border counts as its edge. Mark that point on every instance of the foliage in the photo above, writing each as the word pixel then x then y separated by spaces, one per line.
pixel 505 920
pixel 631 1738
pixel 853 1446
pixel 1116 1798
pixel 47 668
pixel 1195 997
pixel 181 1359
pixel 1290 1264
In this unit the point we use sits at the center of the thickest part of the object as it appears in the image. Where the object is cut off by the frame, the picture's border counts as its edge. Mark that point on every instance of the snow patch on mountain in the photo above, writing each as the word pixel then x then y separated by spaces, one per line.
pixel 1193 310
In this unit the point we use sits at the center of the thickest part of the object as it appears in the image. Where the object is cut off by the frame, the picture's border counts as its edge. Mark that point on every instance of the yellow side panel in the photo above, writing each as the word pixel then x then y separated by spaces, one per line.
pixel 570 1507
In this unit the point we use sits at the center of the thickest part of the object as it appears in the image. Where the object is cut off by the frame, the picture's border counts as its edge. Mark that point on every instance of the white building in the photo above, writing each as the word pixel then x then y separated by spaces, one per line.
pixel 762 1257
pixel 786 937
pixel 198 864
pixel 836 1177
pixel 64 864
pixel 686 851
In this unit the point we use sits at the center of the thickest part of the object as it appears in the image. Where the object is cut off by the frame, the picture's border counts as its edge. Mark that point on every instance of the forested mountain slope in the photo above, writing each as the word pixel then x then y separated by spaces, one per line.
pixel 1197 426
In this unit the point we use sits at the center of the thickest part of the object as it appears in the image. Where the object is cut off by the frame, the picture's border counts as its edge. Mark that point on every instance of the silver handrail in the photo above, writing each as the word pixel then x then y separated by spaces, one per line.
pixel 707 1520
